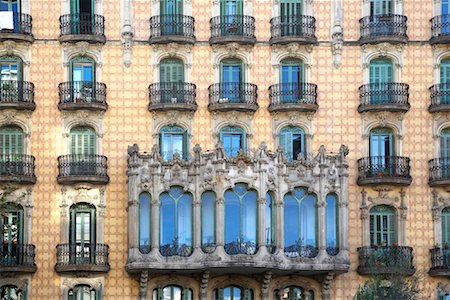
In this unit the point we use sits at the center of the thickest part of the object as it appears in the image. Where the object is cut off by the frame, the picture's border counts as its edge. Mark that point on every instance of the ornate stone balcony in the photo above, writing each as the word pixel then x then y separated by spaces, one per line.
pixel 383 28
pixel 293 97
pixel 384 260
pixel 82 27
pixel 78 259
pixel 293 29
pixel 75 168
pixel 166 29
pixel 440 30
pixel 22 31
pixel 17 94
pixel 172 96
pixel 17 259
pixel 229 96
pixel 390 170
pixel 389 96
pixel 17 168
pixel 440 98
pixel 439 172
pixel 440 262
pixel 232 29
pixel 74 95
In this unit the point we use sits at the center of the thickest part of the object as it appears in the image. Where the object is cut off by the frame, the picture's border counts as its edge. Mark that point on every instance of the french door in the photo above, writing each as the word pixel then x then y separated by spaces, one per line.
pixel 290 14
pixel 381 152
pixel 291 82
pixel 231 79
pixel 11 237
pixel 82 16
pixel 171 74
pixel 83 81
pixel 171 12
pixel 231 17
pixel 83 149
pixel 82 235
pixel 381 77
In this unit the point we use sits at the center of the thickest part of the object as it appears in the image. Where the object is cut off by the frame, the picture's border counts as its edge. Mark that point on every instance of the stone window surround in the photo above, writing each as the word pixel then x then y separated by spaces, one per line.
pixel 440 202
pixel 440 52
pixel 233 122
pixel 246 6
pixel 441 121
pixel 21 119
pixel 307 8
pixel 21 50
pixel 70 282
pixel 82 49
pixel 187 7
pixel 232 50
pixel 25 198
pixel 382 50
pixel 22 282
pixel 65 7
pixel 397 9
pixel 161 122
pixel 172 50
pixel 293 50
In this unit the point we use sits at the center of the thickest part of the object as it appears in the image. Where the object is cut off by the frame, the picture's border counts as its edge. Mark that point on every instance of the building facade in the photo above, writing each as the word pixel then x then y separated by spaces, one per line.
pixel 223 149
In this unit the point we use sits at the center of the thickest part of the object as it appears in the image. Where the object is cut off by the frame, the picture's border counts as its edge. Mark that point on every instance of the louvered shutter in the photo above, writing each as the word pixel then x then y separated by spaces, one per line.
pixel 220 293
pixel 160 293
pixel 99 293
pixel 186 294
pixel 446 226
pixel 392 229
pixel 248 294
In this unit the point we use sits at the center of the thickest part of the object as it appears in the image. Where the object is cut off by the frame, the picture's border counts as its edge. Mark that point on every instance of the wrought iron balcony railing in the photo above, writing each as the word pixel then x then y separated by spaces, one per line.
pixel 439 171
pixel 293 28
pixel 226 96
pixel 82 27
pixel 385 260
pixel 172 96
pixel 440 29
pixel 176 249
pixel 82 258
pixel 232 28
pixel 383 28
pixel 17 258
pixel 172 28
pixel 440 261
pixel 394 170
pixel 300 250
pixel 82 95
pixel 21 31
pixel 17 94
pixel 74 168
pixel 17 168
pixel 384 96
pixel 440 98
pixel 293 96
pixel 241 246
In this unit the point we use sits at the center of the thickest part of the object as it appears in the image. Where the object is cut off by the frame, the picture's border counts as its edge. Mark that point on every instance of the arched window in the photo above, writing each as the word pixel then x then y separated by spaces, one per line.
pixel 173 140
pixel 82 78
pixel 270 222
pixel 172 292
pixel 294 293
pixel 444 75
pixel 293 140
pixel 381 78
pixel 233 139
pixel 84 292
pixel 208 221
pixel 300 224
pixel 82 238
pixel 12 292
pixel 233 292
pixel 231 78
pixel 381 7
pixel 381 151
pixel 383 225
pixel 144 223
pixel 11 237
pixel 332 225
pixel 11 141
pixel 176 222
pixel 240 220
pixel 446 227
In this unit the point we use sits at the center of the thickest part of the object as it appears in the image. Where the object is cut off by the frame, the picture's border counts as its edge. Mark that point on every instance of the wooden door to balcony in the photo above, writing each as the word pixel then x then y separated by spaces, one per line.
pixel 11 149
pixel 11 223
pixel 292 74
pixel 171 75
pixel 82 16
pixel 381 75
pixel 82 72
pixel 170 14
pixel 11 89
pixel 380 7
pixel 231 12
pixel 83 149
pixel 381 151
pixel 82 234
pixel 231 79
pixel 290 13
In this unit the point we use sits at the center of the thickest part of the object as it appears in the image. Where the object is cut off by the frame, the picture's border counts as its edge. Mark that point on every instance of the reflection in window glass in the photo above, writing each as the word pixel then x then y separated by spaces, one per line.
pixel 144 222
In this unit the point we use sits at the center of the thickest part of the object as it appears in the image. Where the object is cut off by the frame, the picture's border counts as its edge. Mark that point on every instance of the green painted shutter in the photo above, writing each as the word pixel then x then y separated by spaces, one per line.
pixel 11 140
pixel 230 7
pixel 381 71
pixel 380 7
pixel 446 226
pixel 220 292
pixel 160 293
pixel 445 71
pixel 171 70
pixel 185 145
pixel 290 8
pixel 83 141
pixel 248 294
pixel 186 294
pixel 75 6
pixel 383 225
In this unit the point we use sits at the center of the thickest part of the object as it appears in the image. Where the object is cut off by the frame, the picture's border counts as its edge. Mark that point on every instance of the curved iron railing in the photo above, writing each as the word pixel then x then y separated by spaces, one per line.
pixel 86 254
pixel 440 258
pixel 82 165
pixel 22 23
pixel 383 167
pixel 439 169
pixel 440 26
pixel 300 250
pixel 391 259
pixel 232 25
pixel 17 165
pixel 233 92
pixel 82 23
pixel 384 93
pixel 82 92
pixel 172 93
pixel 241 247
pixel 164 25
pixel 176 249
pixel 382 26
pixel 14 91
pixel 440 94
pixel 17 255
pixel 301 26
pixel 289 93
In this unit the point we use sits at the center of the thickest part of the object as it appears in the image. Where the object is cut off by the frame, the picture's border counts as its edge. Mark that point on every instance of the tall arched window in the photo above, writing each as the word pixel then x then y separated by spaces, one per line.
pixel 82 237
pixel 172 292
pixel 144 223
pixel 231 78
pixel 445 152
pixel 294 293
pixel 270 222
pixel 383 225
pixel 293 140
pixel 84 292
pixel 291 78
pixel 12 292
pixel 240 220
pixel 82 78
pixel 332 225
pixel 11 237
pixel 233 139
pixel 233 292
pixel 300 223
pixel 381 151
pixel 176 222
pixel 208 221
pixel 381 78
pixel 446 227
pixel 171 77
pixel 444 75
pixel 173 140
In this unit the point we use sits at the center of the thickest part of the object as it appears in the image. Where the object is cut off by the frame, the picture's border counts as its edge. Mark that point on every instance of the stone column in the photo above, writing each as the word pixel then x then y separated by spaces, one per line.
pixel 64 217
pixel 155 224
pixel 262 222
pixel 204 286
pixel 196 217
pixel 321 207
pixel 133 210
pixel 220 215
pixel 143 285
pixel 343 211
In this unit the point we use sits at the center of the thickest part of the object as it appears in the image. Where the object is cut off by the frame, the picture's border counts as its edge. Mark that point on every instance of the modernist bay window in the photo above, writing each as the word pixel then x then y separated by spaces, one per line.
pixel 440 93
pixel 233 139
pixel 294 293
pixel 17 25
pixel 172 292
pixel 12 292
pixel 293 141
pixel 84 292
pixel 173 141
pixel 233 293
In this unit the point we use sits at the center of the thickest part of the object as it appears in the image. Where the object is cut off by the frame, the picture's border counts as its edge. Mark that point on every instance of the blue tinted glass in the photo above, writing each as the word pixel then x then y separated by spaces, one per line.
pixel 184 220
pixel 144 222
pixel 232 216
pixel 308 221
pixel 208 220
pixel 249 213
pixel 331 221
pixel 167 219
pixel 291 221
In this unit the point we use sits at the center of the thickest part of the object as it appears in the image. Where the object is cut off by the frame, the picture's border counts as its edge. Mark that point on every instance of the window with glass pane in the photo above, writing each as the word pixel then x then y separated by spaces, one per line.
pixel 233 139
pixel 83 148
pixel 176 222
pixel 170 12
pixel 270 221
pixel 233 293
pixel 82 237
pixel 445 21
pixel 12 292
pixel 292 76
pixel 11 142
pixel 82 78
pixel 10 78
pixel 13 6
pixel 208 221
pixel 446 226
pixel 144 222
pixel 83 292
pixel 332 225
pixel 240 220
pixel 444 296
pixel 293 140
pixel 231 17
pixel 173 140
pixel 171 75
pixel 11 238
pixel 445 152
pixel 381 77
pixel 294 293
pixel 231 79
pixel 300 223
pixel 380 7
pixel 172 292
pixel 82 12
pixel 383 225
pixel 445 75
pixel 381 149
